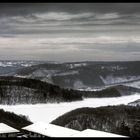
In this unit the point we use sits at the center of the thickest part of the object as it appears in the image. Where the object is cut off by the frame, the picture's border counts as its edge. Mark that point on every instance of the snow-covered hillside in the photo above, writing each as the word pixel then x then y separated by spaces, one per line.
pixel 49 112
pixel 88 74
pixel 114 80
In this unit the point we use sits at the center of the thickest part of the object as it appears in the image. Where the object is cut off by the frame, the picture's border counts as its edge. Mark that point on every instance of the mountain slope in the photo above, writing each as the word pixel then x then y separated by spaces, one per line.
pixel 123 120
pixel 14 90
pixel 78 75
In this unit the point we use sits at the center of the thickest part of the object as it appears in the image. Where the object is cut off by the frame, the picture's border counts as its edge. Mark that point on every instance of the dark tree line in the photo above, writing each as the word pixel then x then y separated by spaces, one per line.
pixel 13 120
pixel 20 90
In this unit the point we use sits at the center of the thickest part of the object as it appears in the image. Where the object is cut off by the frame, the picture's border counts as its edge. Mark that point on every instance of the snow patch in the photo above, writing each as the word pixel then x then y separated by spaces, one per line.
pixel 67 73
pixel 113 68
pixel 20 76
pixel 78 84
pixel 71 66
pixel 91 89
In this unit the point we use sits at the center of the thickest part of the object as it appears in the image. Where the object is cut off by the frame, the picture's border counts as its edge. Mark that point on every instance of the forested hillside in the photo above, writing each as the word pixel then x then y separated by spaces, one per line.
pixel 86 74
pixel 13 120
pixel 124 120
pixel 15 90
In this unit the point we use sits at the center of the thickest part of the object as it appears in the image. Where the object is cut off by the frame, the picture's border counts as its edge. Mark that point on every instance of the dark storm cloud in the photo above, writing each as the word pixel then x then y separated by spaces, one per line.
pixel 56 31
pixel 29 8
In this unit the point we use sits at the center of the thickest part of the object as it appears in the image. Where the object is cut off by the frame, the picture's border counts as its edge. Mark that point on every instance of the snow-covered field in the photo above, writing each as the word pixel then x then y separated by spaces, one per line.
pixel 49 112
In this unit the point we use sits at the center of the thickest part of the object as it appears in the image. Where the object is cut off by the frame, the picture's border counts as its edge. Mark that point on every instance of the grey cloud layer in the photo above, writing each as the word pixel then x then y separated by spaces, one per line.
pixel 26 9
pixel 58 31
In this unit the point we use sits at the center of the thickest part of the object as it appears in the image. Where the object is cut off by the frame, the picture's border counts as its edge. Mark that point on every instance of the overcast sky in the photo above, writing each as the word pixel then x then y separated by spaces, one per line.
pixel 70 32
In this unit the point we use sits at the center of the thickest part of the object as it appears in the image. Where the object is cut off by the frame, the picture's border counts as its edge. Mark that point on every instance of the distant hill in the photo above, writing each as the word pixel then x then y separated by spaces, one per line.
pixel 77 75
pixel 123 120
pixel 10 66
pixel 15 90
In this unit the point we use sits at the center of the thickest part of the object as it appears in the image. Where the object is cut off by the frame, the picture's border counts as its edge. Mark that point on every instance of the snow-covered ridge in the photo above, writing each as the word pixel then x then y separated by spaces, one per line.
pixel 135 84
pixel 71 66
pixel 16 63
pixel 110 79
pixel 46 75
pixel 91 89
pixel 113 68
pixel 20 76
pixel 67 73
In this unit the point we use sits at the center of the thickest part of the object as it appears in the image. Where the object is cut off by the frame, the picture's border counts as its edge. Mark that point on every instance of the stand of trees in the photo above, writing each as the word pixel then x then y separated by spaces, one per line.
pixel 13 120
pixel 15 90
pixel 123 120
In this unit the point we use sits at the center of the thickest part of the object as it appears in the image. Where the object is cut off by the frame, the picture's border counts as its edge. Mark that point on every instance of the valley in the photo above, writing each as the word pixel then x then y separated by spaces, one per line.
pixel 54 89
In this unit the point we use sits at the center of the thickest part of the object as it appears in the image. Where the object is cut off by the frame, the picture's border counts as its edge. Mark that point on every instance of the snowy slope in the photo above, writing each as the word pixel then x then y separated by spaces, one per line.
pixel 49 112
pixel 88 74
pixel 95 133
